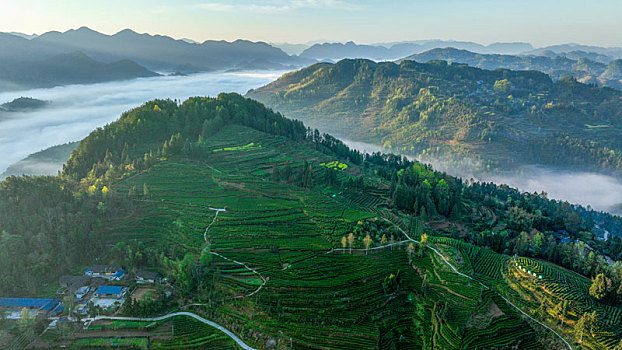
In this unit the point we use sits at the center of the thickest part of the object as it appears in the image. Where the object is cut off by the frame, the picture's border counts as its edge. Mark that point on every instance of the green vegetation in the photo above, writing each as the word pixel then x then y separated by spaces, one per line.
pixel 476 119
pixel 22 103
pixel 302 255
pixel 601 71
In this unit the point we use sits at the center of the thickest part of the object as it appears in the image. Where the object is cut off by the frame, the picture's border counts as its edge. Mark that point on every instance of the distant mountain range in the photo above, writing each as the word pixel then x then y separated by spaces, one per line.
pixel 394 51
pixel 154 52
pixel 583 66
pixel 86 56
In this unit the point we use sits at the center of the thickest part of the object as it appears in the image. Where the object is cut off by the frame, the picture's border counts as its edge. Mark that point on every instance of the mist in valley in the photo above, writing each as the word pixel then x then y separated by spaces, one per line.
pixel 76 110
pixel 601 192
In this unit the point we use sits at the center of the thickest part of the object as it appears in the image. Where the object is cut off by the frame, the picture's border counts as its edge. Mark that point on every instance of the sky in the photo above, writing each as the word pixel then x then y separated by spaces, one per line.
pixel 540 22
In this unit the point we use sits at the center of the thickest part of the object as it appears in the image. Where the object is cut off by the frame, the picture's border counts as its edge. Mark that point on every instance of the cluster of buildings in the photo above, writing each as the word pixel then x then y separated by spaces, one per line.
pixel 100 286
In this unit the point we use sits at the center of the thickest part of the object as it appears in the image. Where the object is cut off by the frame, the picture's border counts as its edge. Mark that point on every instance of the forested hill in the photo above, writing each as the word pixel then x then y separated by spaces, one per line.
pixel 496 119
pixel 63 69
pixel 139 193
pixel 584 69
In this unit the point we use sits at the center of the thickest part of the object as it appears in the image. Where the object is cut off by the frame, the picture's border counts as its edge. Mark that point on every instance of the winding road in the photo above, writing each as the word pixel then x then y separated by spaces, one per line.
pixel 230 334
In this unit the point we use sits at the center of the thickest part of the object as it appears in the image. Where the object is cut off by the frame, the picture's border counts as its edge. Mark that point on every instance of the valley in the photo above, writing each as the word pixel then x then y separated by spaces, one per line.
pixel 436 268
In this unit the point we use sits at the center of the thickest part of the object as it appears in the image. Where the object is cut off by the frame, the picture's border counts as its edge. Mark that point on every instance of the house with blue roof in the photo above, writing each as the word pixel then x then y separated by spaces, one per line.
pixel 36 306
pixel 110 292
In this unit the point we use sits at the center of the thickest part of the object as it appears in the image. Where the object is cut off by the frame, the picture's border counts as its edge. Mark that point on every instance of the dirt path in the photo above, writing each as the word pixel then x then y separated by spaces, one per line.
pixel 207 244
pixel 485 286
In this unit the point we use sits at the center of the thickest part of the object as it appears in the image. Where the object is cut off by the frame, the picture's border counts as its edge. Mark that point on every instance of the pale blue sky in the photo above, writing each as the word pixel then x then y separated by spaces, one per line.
pixel 541 22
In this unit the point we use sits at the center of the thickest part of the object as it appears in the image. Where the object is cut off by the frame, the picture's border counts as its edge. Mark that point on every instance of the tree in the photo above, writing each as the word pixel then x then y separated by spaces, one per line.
pixel 26 321
pixel 580 327
pixel 383 241
pixel 410 249
pixel 392 242
pixel 502 86
pixel 367 241
pixel 344 243
pixel 561 309
pixel 145 190
pixel 69 302
pixel 351 241
pixel 598 289
pixel 424 244
pixel 586 323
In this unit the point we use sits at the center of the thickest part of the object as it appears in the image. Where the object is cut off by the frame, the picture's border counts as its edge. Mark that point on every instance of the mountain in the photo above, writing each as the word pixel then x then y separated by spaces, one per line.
pixel 46 162
pixel 338 51
pixel 250 215
pixel 397 50
pixel 558 66
pixel 475 119
pixel 63 69
pixel 22 104
pixel 25 36
pixel 291 49
pixel 615 52
pixel 155 52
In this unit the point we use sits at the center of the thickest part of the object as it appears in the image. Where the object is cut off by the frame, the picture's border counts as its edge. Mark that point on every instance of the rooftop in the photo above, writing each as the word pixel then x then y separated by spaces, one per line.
pixel 147 274
pixel 109 290
pixel 46 304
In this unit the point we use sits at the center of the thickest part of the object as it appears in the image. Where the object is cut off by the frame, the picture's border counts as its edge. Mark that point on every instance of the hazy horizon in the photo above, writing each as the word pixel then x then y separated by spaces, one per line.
pixel 541 23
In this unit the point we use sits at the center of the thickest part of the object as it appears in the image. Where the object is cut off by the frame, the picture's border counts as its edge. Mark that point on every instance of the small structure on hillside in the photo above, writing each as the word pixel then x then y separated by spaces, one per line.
pixel 110 292
pixel 78 285
pixel 81 292
pixel 143 276
pixel 36 306
pixel 112 273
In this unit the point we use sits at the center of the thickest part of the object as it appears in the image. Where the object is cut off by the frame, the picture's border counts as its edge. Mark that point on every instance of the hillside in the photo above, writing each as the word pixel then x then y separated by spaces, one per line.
pixel 490 120
pixel 285 236
pixel 22 104
pixel 584 69
pixel 64 69
pixel 46 162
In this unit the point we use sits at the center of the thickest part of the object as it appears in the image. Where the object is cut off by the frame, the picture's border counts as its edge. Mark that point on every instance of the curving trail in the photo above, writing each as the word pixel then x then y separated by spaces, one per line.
pixel 485 286
pixel 263 279
pixel 234 337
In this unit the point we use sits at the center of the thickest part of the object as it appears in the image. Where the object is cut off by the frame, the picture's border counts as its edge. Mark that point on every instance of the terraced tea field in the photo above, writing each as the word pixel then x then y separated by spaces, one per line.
pixel 284 237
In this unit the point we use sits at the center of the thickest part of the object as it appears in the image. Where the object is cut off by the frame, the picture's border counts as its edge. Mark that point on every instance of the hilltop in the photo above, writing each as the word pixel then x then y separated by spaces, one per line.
pixel 492 120
pixel 63 69
pixel 22 104
pixel 286 236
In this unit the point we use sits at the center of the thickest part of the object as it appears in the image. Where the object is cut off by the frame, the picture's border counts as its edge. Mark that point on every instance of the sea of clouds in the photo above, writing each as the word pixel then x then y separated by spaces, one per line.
pixel 75 110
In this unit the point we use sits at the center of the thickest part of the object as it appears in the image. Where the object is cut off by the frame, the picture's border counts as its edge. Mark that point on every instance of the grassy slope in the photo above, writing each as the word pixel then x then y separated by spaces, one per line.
pixel 321 299
pixel 434 110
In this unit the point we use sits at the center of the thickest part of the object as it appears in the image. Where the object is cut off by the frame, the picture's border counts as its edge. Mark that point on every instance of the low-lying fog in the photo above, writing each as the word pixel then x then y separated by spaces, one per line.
pixel 602 192
pixel 76 110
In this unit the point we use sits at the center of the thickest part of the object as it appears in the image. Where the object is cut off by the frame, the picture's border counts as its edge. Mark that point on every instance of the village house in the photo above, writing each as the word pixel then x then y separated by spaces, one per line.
pixel 110 292
pixel 78 285
pixel 36 306
pixel 112 273
pixel 143 276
